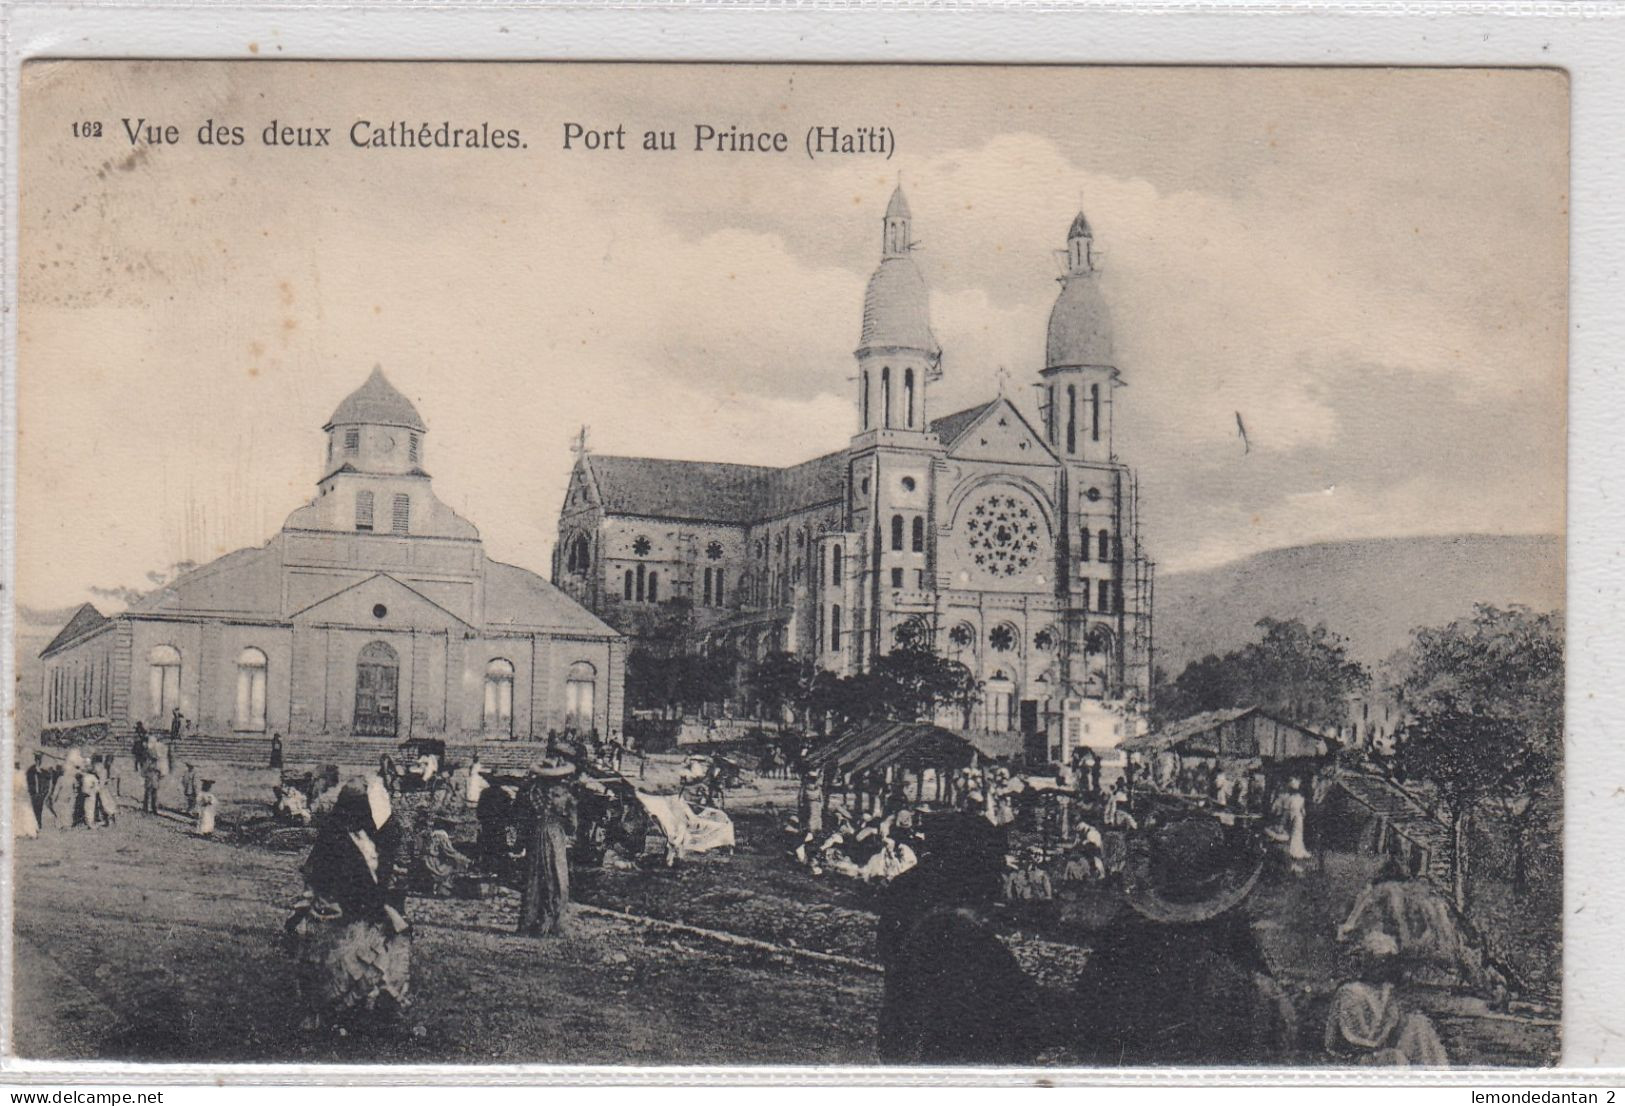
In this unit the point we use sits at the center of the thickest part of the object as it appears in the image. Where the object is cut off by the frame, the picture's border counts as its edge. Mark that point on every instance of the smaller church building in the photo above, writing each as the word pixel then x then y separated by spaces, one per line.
pixel 375 612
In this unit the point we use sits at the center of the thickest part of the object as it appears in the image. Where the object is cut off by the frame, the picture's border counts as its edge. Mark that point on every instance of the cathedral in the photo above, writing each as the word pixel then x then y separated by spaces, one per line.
pixel 375 612
pixel 1009 539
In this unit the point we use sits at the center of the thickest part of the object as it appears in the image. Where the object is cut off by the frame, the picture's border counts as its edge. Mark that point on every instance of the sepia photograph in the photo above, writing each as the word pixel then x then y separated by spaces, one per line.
pixel 879 565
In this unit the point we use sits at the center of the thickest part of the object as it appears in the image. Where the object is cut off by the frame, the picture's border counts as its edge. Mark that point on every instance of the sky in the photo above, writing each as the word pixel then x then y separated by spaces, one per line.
pixel 1369 266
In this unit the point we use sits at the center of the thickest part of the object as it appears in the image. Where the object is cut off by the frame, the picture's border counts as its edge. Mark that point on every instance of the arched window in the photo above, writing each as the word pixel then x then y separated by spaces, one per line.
pixel 643 580
pixel 897 533
pixel 835 565
pixel 499 697
pixel 1083 593
pixel 580 693
pixel 1071 418
pixel 721 596
pixel 163 680
pixel 863 397
pixel 708 587
pixel 251 671
pixel 1094 412
pixel 1105 550
pixel 1103 597
pixel 363 510
pixel 908 397
pixel 654 587
pixel 1049 414
pixel 1083 549
pixel 835 627
pixel 401 518
pixel 580 555
pixel 885 396
pixel 627 592
pixel 919 533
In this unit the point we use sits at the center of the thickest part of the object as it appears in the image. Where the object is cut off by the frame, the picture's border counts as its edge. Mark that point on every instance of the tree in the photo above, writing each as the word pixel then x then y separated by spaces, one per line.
pixel 1485 699
pixel 780 682
pixel 1301 673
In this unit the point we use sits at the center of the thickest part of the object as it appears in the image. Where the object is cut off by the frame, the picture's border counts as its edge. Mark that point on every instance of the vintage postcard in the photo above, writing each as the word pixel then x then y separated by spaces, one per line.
pixel 651 564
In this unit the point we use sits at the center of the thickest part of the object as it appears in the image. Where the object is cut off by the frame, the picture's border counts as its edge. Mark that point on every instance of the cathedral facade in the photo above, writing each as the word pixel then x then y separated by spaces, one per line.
pixel 373 613
pixel 1009 539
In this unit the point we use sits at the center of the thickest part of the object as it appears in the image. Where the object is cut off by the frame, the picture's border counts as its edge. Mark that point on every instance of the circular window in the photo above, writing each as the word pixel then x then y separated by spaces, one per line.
pixel 1003 535
pixel 962 635
pixel 908 483
pixel 379 610
pixel 1002 638
pixel 641 546
pixel 714 551
pixel 1092 495
pixel 1044 640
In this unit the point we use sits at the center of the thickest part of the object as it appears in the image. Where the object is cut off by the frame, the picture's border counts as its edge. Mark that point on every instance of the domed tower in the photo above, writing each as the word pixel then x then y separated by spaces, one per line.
pixel 897 353
pixel 1079 372
pixel 373 481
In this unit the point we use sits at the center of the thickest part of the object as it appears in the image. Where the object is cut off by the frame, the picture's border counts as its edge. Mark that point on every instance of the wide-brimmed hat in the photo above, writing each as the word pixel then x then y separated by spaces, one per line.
pixel 1189 871
pixel 548 771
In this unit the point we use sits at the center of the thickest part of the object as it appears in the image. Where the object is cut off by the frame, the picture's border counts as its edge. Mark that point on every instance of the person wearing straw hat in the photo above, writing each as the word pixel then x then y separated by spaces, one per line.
pixel 547 811
pixel 1178 977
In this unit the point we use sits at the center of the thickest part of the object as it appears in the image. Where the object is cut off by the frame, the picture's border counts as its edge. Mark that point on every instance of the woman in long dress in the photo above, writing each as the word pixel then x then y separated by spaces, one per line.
pixel 353 949
pixel 1291 808
pixel 548 812
pixel 23 822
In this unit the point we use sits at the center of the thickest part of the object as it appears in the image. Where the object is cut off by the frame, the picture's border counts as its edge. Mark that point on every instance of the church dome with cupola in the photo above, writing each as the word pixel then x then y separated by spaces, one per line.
pixel 1080 324
pixel 377 403
pixel 896 305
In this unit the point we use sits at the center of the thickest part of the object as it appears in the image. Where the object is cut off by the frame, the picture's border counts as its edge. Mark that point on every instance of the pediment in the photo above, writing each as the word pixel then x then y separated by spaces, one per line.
pixel 1001 434
pixel 380 602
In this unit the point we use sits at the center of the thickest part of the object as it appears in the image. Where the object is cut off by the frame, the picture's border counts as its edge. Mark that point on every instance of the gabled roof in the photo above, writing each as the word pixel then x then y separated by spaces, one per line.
pixel 950 427
pixel 84 620
pixel 517 599
pixel 1209 734
pixel 712 490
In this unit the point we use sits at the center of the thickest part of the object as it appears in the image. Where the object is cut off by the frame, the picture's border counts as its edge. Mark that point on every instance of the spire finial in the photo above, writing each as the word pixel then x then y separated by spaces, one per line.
pixel 579 445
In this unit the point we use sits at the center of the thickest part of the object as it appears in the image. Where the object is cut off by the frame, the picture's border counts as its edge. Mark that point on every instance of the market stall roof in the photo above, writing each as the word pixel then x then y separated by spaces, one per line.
pixel 883 744
pixel 1235 732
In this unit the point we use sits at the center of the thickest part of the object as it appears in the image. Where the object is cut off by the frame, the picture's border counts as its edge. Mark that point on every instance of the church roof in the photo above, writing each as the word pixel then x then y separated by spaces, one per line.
pixel 247 582
pixel 84 620
pixel 1080 325
pixel 898 207
pixel 377 403
pixel 518 599
pixel 897 308
pixel 713 490
pixel 1079 228
pixel 950 427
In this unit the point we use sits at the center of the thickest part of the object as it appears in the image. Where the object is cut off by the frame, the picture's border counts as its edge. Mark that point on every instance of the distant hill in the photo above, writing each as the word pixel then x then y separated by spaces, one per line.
pixel 1374 593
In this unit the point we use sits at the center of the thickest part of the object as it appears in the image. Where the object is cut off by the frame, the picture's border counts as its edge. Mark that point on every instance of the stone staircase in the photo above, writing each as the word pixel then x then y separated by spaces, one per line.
pixel 349 753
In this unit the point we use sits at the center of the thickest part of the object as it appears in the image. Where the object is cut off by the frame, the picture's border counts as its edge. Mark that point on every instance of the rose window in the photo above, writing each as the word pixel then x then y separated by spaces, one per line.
pixel 1004 536
pixel 1002 638
pixel 641 547
pixel 714 551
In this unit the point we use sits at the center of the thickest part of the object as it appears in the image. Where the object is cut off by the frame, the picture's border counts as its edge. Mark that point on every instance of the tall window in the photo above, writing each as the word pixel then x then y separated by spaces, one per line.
pixel 580 689
pixel 163 680
pixel 863 397
pixel 1103 597
pixel 708 587
pixel 1049 414
pixel 835 627
pixel 885 396
pixel 627 594
pixel 919 533
pixel 654 587
pixel 897 533
pixel 720 594
pixel 1105 551
pixel 412 449
pixel 363 510
pixel 1083 592
pixel 402 517
pixel 1083 547
pixel 908 397
pixel 580 559
pixel 499 697
pixel 896 577
pixel 1071 418
pixel 251 670
pixel 1094 412
pixel 352 441
pixel 835 565
pixel 643 581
